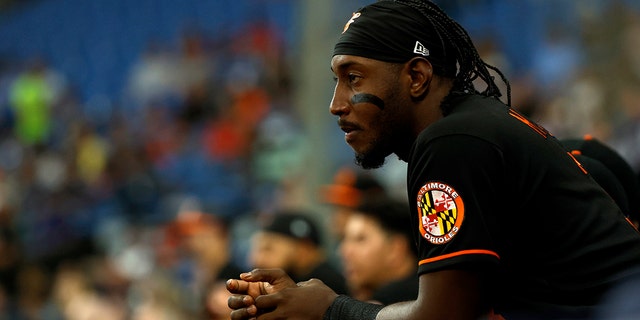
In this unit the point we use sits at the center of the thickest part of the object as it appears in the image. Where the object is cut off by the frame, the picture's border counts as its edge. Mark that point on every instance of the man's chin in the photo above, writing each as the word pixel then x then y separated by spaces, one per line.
pixel 369 161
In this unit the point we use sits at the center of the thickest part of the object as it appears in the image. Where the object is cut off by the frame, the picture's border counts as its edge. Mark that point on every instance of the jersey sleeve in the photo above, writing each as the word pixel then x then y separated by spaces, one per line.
pixel 456 185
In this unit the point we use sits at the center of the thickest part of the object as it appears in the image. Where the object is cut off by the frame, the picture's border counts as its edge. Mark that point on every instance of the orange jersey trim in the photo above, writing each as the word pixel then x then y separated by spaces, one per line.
pixel 577 162
pixel 459 253
pixel 631 223
pixel 536 127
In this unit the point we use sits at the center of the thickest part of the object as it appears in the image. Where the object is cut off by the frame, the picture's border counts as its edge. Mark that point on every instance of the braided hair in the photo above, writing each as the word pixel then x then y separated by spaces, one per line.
pixel 470 65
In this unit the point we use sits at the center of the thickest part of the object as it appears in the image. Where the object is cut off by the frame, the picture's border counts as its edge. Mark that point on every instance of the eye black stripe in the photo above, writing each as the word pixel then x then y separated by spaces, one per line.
pixel 367 98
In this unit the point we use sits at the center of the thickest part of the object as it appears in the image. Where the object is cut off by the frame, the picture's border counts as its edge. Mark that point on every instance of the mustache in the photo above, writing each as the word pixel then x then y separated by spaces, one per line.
pixel 347 124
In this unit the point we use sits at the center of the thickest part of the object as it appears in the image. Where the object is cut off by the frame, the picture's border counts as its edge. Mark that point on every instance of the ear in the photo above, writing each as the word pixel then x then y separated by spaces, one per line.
pixel 421 73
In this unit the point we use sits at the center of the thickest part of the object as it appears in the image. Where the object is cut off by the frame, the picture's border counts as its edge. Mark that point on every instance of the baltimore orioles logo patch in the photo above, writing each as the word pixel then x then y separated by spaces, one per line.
pixel 440 210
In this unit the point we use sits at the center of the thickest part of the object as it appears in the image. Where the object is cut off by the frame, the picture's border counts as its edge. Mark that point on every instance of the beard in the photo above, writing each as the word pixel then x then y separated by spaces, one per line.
pixel 369 161
pixel 374 157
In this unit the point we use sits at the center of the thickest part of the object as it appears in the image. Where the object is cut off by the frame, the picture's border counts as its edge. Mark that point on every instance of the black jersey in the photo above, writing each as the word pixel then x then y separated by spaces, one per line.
pixel 405 289
pixel 491 190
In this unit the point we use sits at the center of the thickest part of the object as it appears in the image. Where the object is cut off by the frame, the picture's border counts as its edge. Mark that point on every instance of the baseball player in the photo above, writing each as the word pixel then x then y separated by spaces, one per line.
pixel 507 223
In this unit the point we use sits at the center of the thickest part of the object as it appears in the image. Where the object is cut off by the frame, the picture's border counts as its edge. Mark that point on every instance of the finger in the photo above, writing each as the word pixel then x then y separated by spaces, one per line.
pixel 276 277
pixel 269 301
pixel 309 282
pixel 267 275
pixel 244 314
pixel 239 301
pixel 237 286
pixel 303 283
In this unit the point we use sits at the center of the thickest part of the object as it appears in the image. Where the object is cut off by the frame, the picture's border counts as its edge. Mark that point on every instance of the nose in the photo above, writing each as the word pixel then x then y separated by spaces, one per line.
pixel 339 104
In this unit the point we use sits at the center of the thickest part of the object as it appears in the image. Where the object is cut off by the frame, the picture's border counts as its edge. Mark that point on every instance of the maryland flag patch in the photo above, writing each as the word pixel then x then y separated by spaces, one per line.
pixel 440 210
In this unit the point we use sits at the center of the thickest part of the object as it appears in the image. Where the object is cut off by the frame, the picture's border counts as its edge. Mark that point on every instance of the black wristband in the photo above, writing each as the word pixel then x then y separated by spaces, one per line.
pixel 346 308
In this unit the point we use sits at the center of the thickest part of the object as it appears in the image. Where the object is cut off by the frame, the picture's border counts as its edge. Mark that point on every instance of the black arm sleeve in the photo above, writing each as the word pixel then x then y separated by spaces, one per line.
pixel 346 308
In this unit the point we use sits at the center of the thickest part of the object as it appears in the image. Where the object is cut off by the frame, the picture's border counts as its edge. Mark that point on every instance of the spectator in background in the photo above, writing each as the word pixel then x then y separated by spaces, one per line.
pixel 347 191
pixel 611 171
pixel 349 188
pixel 91 155
pixel 77 297
pixel 33 95
pixel 158 299
pixel 379 252
pixel 292 241
pixel 153 77
pixel 206 239
pixel 9 251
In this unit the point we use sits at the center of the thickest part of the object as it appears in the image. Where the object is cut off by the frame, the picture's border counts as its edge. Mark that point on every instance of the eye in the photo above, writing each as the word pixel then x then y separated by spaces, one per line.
pixel 353 78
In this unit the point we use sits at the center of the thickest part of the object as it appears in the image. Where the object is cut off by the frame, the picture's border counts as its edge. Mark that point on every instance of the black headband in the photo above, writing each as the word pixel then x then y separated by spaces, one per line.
pixel 394 32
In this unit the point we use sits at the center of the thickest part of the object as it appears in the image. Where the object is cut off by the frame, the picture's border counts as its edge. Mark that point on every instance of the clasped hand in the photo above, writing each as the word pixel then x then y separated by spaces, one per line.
pixel 268 294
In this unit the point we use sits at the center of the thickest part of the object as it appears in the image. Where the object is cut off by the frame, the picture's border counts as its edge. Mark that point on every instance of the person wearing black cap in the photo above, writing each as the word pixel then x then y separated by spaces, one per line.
pixel 348 190
pixel 611 171
pixel 290 240
pixel 206 238
pixel 507 223
pixel 378 252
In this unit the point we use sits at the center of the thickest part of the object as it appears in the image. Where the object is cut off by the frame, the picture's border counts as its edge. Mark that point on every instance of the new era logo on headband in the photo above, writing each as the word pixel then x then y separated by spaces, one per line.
pixel 421 49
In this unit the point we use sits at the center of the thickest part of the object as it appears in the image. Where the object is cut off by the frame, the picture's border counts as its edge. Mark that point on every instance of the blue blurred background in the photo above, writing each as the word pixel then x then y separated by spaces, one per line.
pixel 116 115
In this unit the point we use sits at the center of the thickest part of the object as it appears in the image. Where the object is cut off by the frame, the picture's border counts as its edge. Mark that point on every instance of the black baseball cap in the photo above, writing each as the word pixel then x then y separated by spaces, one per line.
pixel 593 148
pixel 294 224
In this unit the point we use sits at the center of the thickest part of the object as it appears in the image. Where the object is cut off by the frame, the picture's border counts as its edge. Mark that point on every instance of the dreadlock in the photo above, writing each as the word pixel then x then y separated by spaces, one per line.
pixel 470 65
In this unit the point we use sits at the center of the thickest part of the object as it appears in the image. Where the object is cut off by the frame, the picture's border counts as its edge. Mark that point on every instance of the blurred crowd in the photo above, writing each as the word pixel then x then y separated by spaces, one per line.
pixel 115 216
pixel 209 128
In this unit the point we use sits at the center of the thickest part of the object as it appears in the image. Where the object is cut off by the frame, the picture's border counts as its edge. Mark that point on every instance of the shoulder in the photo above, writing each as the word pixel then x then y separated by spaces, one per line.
pixel 485 120
pixel 469 114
